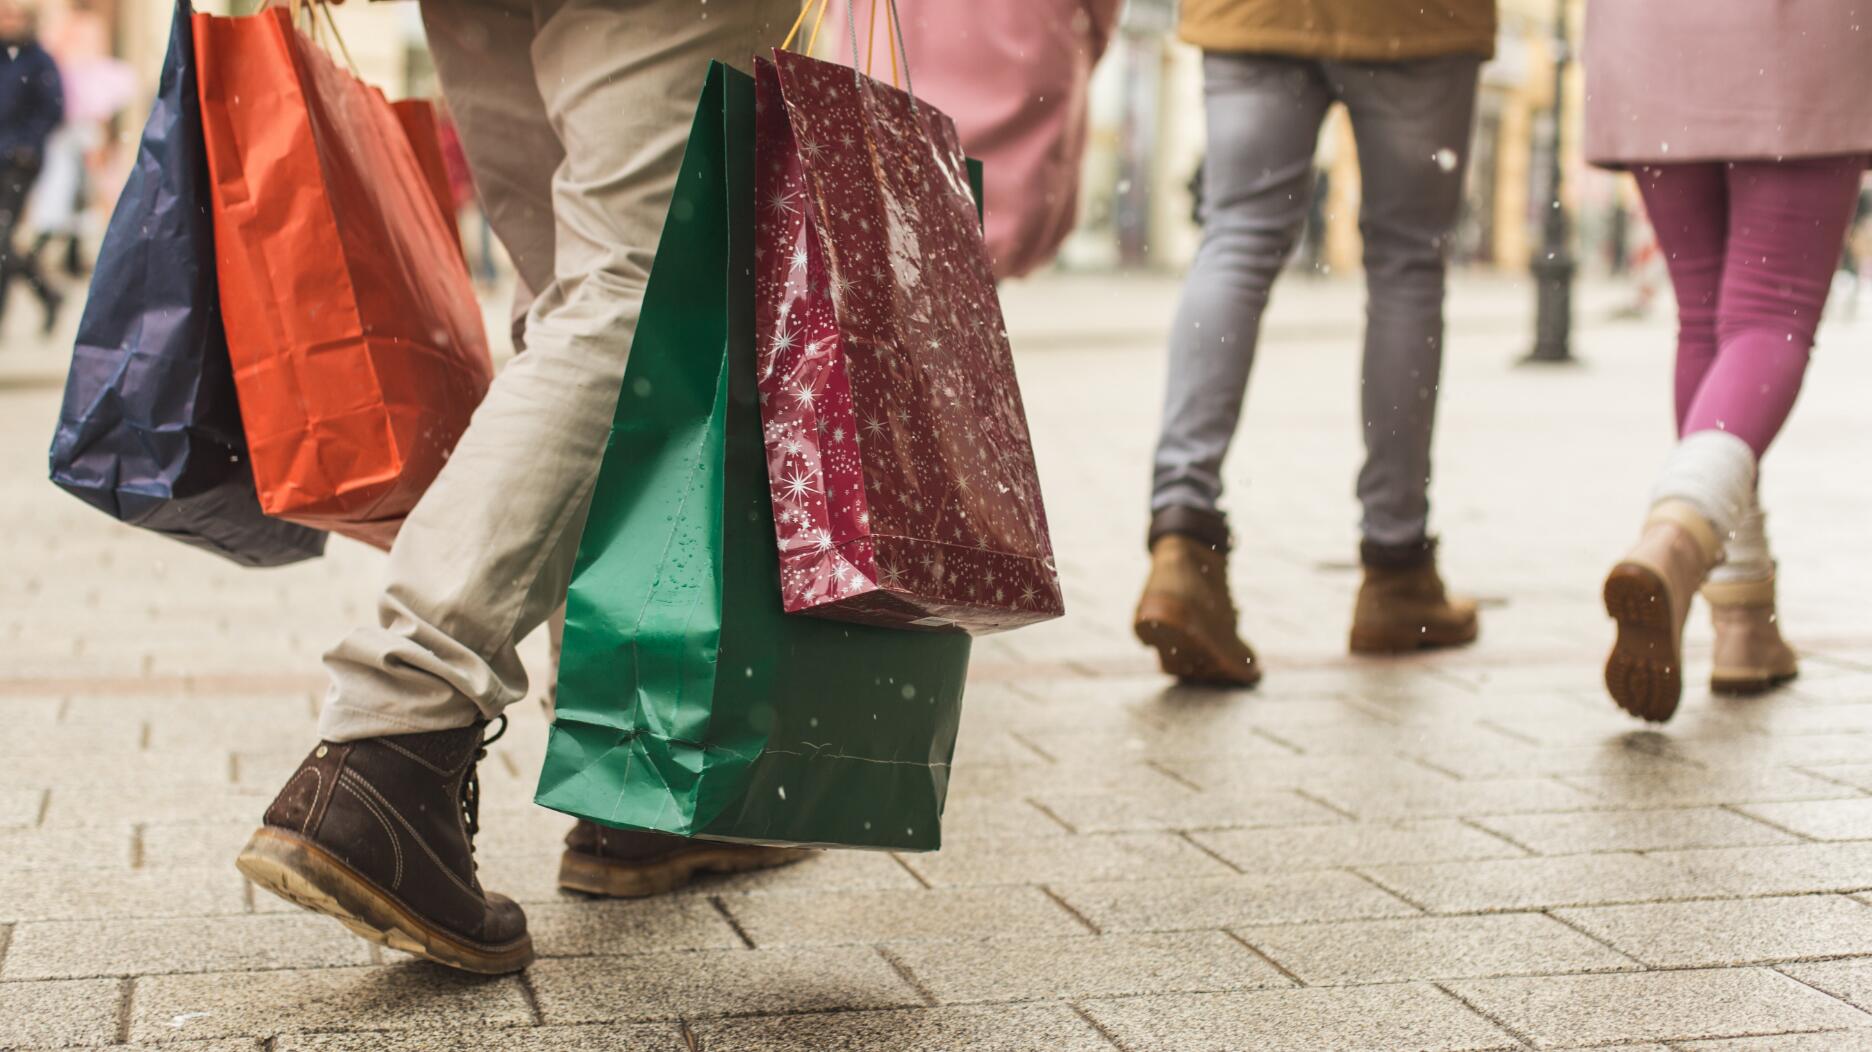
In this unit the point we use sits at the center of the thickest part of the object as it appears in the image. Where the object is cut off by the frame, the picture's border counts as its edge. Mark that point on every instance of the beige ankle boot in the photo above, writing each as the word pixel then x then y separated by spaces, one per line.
pixel 1750 655
pixel 1187 616
pixel 1403 606
pixel 1648 593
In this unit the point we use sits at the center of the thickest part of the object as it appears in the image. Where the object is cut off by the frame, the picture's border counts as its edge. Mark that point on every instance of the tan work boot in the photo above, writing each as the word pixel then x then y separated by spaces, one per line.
pixel 1648 593
pixel 1750 655
pixel 1186 613
pixel 1403 606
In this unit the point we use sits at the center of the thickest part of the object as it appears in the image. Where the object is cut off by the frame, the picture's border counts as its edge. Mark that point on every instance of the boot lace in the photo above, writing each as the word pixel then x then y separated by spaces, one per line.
pixel 471 786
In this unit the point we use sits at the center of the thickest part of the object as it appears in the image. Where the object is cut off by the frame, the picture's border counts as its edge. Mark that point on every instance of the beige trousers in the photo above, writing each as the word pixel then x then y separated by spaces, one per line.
pixel 574 115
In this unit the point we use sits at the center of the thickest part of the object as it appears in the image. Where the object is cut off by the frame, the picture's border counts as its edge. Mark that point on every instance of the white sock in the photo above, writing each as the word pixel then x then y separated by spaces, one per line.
pixel 1748 555
pixel 1713 471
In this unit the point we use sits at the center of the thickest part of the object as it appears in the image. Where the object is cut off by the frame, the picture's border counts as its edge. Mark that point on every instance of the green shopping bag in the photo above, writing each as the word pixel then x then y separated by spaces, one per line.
pixel 688 701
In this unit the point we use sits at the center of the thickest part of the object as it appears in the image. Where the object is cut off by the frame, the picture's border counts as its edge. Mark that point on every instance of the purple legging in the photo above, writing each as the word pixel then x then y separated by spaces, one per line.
pixel 1751 247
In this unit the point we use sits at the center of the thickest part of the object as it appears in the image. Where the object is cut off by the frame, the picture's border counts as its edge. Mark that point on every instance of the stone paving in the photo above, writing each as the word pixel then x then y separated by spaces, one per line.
pixel 1468 851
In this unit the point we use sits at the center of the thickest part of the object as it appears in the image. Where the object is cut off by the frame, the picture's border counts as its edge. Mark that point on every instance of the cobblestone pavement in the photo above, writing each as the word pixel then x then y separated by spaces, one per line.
pixel 1468 851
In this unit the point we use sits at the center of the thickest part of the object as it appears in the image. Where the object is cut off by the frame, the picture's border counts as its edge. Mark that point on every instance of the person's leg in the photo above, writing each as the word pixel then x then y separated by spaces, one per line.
pixel 1688 205
pixel 1264 116
pixel 487 554
pixel 1412 123
pixel 1787 220
pixel 1263 123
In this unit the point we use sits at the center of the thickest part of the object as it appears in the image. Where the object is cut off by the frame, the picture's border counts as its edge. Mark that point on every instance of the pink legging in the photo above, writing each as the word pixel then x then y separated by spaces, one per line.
pixel 1751 246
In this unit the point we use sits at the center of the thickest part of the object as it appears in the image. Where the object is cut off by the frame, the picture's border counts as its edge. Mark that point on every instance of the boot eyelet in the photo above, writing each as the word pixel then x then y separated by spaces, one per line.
pixel 320 752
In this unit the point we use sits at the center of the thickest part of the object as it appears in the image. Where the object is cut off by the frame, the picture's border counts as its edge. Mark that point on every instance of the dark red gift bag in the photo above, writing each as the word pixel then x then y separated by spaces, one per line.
pixel 904 488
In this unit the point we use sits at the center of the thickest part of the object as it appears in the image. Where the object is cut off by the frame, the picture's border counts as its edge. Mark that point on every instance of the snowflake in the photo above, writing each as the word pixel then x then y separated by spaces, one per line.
pixel 783 202
pixel 799 258
pixel 798 483
pixel 785 341
pixel 804 396
pixel 1029 596
pixel 822 540
pixel 840 286
pixel 873 426
pixel 893 577
pixel 838 435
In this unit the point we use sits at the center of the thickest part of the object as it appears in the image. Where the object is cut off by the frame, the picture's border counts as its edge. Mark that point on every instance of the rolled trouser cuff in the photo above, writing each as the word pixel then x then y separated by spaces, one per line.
pixel 1202 524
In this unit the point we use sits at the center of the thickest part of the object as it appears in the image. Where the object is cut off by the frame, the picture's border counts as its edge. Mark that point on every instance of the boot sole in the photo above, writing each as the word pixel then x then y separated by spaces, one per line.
pixel 306 875
pixel 593 875
pixel 1644 672
pixel 1748 684
pixel 1184 655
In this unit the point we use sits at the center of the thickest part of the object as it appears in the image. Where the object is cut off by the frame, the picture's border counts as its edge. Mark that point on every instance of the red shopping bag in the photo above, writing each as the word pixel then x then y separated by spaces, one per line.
pixel 423 126
pixel 357 344
pixel 904 488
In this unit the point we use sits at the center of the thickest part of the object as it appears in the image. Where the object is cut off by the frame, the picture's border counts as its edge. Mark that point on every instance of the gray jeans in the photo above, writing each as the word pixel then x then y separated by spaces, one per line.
pixel 1412 123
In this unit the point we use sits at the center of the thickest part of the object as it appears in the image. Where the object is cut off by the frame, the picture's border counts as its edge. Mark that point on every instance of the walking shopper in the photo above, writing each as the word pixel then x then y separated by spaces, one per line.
pixel 574 115
pixel 1407 76
pixel 1748 128
pixel 31 105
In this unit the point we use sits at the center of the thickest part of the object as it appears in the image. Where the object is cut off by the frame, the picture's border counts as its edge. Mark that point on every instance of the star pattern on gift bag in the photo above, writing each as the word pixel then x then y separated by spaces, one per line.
pixel 904 482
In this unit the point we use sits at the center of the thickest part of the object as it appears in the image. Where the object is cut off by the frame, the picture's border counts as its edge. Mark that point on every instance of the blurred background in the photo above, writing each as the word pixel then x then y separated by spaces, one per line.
pixel 1145 143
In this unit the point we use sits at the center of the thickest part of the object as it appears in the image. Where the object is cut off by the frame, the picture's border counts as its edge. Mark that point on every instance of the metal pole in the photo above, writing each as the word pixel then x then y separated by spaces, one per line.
pixel 1553 263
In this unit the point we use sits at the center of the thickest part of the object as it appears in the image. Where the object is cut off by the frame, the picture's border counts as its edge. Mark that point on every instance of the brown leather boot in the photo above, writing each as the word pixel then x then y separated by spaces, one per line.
pixel 1402 604
pixel 379 834
pixel 1648 593
pixel 1750 655
pixel 629 865
pixel 1186 613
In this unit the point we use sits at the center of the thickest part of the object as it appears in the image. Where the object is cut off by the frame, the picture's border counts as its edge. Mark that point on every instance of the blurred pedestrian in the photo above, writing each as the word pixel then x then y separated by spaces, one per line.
pixel 1016 78
pixel 574 115
pixel 31 105
pixel 1407 75
pixel 1749 128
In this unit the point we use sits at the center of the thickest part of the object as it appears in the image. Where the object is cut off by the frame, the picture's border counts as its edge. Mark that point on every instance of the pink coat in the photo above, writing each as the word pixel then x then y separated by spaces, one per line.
pixel 1701 80
pixel 1014 76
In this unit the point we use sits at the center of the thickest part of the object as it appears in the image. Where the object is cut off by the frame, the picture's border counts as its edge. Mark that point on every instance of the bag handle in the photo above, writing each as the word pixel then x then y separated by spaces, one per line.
pixel 894 38
pixel 311 28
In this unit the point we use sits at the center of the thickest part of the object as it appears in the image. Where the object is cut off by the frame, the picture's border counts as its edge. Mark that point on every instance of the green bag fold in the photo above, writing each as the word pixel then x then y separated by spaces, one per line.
pixel 688 701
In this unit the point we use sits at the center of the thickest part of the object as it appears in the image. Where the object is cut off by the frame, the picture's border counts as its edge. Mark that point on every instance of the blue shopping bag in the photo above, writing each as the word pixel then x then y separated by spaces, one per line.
pixel 150 431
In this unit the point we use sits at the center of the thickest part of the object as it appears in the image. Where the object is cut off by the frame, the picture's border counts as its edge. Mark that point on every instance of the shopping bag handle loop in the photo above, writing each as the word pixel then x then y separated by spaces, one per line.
pixel 305 8
pixel 893 43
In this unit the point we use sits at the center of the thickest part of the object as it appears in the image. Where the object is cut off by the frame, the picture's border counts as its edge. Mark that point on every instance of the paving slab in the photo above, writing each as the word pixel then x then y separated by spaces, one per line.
pixel 1354 1019
pixel 1026 860
pixel 83 949
pixel 1355 843
pixel 1829 1041
pixel 1084 966
pixel 1563 1011
pixel 1388 951
pixel 1687 787
pixel 1003 1028
pixel 59 1012
pixel 1848 980
pixel 1739 931
pixel 401 996
pixel 54 894
pixel 830 918
pixel 1182 809
pixel 607 1038
pixel 1191 905
pixel 1596 831
pixel 1540 883
pixel 1786 870
pixel 669 986
pixel 1818 819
